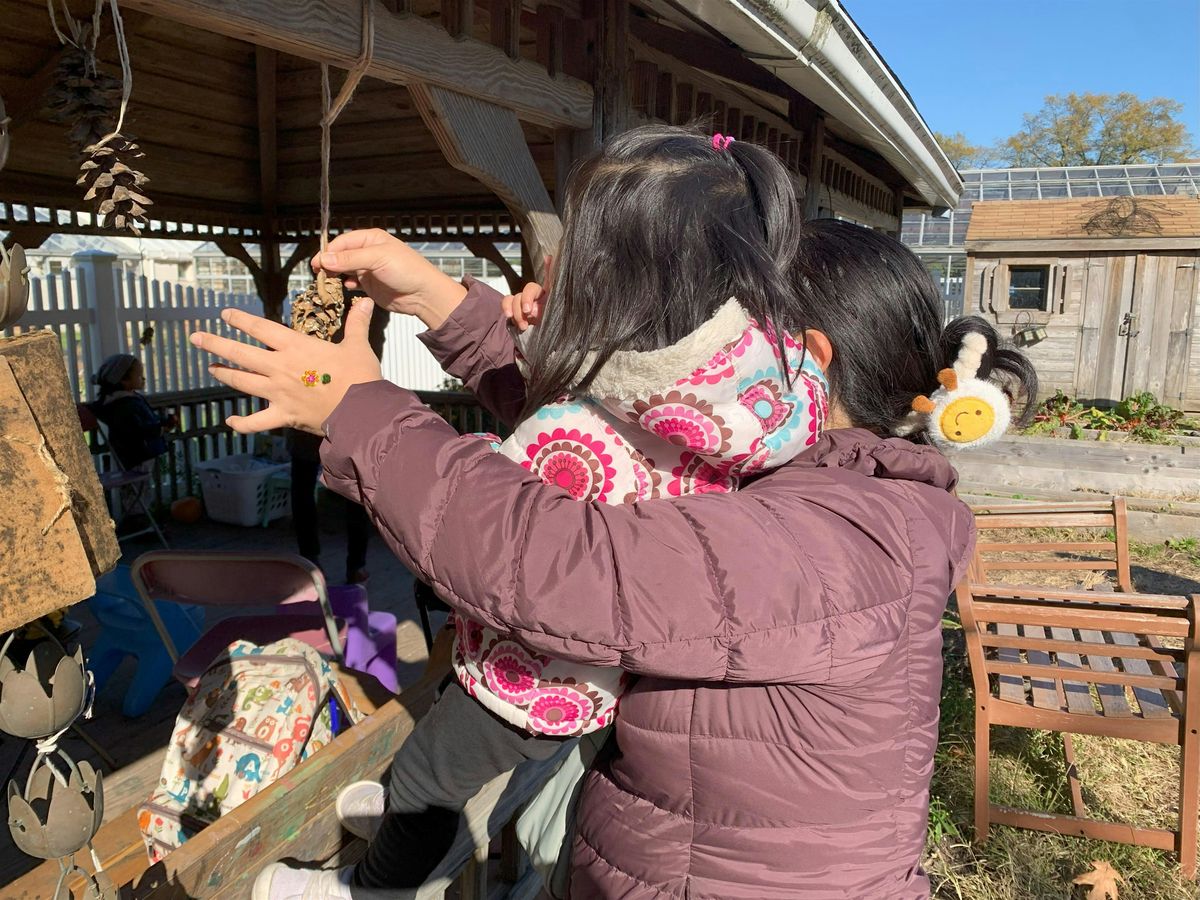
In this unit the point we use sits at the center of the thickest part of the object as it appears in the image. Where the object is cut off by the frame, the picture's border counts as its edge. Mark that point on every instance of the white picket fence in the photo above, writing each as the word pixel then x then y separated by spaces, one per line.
pixel 97 310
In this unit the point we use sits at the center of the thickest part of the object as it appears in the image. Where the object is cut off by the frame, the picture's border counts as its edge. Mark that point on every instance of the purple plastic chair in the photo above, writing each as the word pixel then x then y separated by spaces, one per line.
pixel 335 621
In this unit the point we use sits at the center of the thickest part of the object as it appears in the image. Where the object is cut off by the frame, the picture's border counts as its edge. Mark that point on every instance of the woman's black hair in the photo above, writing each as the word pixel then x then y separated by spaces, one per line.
pixel 660 228
pixel 878 306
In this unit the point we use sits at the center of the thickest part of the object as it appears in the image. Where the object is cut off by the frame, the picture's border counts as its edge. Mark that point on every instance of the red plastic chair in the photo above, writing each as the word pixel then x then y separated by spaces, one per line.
pixel 213 578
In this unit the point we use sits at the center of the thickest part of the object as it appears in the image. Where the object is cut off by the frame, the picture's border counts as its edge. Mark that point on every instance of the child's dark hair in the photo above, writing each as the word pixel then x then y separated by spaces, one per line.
pixel 660 229
pixel 879 308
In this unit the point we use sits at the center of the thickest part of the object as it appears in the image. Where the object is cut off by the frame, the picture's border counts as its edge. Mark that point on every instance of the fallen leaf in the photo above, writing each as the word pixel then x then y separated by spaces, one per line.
pixel 1101 881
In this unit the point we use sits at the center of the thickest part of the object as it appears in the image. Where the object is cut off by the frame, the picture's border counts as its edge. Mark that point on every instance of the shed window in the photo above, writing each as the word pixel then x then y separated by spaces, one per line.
pixel 1028 287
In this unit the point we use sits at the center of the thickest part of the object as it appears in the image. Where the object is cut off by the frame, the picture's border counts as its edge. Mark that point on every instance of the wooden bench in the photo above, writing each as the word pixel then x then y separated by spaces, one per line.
pixel 1085 662
pixel 1107 551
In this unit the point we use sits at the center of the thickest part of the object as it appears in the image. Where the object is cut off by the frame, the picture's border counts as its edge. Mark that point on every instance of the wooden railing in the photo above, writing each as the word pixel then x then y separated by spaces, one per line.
pixel 201 433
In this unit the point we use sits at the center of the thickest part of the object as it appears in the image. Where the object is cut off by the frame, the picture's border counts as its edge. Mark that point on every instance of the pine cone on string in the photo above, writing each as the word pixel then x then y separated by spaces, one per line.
pixel 320 313
pixel 84 97
pixel 115 186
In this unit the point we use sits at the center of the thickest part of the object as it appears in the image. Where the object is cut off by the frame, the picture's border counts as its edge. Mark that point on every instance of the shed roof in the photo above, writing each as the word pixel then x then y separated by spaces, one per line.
pixel 1099 219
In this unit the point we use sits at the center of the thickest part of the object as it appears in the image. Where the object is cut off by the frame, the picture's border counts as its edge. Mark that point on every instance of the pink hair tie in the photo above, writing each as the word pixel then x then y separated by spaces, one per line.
pixel 721 141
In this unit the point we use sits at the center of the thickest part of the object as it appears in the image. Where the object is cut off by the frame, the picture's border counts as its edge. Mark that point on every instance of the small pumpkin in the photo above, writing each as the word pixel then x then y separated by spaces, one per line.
pixel 187 510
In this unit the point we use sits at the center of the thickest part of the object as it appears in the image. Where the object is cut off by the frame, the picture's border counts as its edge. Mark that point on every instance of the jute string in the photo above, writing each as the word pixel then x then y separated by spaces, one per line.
pixel 332 108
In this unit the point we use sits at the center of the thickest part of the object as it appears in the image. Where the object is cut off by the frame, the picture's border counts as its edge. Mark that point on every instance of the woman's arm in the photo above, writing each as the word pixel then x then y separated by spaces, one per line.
pixel 771 584
pixel 475 344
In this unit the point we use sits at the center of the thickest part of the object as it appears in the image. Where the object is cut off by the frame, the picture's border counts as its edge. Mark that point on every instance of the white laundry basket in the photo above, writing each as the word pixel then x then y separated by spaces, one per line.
pixel 242 489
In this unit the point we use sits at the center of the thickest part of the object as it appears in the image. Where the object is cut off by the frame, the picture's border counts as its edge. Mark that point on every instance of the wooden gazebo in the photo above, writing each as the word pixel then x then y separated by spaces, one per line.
pixel 469 117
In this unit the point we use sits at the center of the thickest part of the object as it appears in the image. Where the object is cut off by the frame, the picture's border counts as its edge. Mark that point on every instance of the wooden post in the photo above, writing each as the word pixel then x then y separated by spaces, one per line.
pixel 271 288
pixel 458 17
pixel 486 141
pixel 506 26
pixel 816 149
pixel 485 248
pixel 685 103
pixel 610 110
pixel 551 38
pixel 96 271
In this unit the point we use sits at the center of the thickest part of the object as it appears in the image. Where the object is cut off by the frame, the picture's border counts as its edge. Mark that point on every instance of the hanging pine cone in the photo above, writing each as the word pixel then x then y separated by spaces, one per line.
pixel 84 97
pixel 317 313
pixel 115 186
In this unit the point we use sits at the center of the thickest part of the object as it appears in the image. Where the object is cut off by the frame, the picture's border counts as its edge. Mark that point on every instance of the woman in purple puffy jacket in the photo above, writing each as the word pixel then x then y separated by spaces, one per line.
pixel 778 738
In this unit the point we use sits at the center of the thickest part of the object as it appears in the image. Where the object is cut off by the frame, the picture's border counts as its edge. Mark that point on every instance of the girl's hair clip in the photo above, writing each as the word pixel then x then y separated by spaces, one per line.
pixel 965 411
pixel 721 141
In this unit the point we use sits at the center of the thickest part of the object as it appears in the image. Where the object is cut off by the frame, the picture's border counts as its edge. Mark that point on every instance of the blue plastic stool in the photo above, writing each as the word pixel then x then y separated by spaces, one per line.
pixel 126 630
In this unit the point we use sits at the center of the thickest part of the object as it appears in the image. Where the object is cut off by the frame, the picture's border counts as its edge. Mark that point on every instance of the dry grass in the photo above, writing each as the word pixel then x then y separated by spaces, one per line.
pixel 1123 781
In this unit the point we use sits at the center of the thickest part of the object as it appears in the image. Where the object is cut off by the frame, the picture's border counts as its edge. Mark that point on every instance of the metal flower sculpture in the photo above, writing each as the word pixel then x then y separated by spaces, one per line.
pixel 56 816
pixel 46 695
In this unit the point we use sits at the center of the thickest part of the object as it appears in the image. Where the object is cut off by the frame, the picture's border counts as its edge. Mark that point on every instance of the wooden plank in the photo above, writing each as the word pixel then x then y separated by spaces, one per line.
pixel 1112 697
pixel 1049 565
pixel 1112 676
pixel 1076 693
pixel 407 48
pixel 268 165
pixel 1044 691
pixel 1093 828
pixel 551 38
pixel 1092 598
pixel 1158 654
pixel 1182 331
pixel 486 141
pixel 1153 703
pixel 1012 687
pixel 1043 547
pixel 1080 618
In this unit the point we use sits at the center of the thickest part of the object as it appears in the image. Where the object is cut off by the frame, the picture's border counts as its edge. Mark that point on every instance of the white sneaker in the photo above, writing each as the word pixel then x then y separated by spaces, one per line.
pixel 360 808
pixel 281 882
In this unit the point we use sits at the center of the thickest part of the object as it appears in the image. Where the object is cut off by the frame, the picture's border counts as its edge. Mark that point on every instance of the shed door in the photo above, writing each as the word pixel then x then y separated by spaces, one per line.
pixel 1159 341
pixel 1107 301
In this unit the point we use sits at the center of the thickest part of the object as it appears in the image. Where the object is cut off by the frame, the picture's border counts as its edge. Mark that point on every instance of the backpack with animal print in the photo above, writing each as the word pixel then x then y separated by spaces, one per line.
pixel 255 714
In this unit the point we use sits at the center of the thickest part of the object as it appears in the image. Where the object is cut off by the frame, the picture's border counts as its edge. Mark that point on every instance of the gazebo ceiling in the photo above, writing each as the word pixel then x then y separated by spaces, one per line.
pixel 194 111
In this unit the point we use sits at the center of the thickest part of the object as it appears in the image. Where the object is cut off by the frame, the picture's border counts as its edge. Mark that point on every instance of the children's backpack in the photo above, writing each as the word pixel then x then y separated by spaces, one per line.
pixel 255 714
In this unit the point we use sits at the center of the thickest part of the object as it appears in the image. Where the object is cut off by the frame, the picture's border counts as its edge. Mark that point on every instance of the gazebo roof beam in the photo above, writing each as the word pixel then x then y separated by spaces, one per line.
pixel 407 50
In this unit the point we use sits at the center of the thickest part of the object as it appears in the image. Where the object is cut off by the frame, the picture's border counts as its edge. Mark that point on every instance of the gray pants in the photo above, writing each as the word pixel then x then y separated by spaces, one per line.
pixel 452 752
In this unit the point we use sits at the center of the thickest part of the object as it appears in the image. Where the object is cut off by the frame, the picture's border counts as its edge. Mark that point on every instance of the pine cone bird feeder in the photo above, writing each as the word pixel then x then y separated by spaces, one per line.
pixel 114 186
pixel 318 311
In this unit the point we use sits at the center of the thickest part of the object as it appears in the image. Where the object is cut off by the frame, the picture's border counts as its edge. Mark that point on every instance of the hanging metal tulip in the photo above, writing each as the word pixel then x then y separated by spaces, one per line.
pixel 14 284
pixel 46 694
pixel 56 816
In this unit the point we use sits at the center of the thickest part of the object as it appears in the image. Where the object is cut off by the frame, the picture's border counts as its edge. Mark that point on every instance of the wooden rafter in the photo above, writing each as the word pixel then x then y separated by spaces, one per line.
pixel 485 248
pixel 407 49
pixel 486 142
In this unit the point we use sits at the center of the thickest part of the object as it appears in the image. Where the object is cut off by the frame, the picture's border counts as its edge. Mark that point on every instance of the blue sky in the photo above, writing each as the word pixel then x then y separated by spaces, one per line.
pixel 976 65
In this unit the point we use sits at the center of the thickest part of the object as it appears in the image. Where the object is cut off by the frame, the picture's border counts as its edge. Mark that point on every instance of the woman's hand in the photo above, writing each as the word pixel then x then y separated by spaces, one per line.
pixel 525 309
pixel 291 373
pixel 394 275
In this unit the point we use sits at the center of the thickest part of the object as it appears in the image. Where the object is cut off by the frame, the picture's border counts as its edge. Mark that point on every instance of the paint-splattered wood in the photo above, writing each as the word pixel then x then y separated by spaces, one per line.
pixel 407 48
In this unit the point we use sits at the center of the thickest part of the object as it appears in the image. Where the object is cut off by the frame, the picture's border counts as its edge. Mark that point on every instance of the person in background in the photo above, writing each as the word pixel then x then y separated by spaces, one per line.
pixel 305 450
pixel 135 428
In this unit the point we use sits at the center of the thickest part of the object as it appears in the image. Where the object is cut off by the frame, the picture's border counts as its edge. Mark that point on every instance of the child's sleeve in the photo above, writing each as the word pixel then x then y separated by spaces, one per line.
pixel 476 346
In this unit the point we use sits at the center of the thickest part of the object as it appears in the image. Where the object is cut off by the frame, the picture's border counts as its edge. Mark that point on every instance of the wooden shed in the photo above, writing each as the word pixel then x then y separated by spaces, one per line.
pixel 1113 282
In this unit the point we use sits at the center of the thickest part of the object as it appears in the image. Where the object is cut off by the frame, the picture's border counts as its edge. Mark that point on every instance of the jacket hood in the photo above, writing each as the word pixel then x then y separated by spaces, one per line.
pixel 718 395
pixel 864 452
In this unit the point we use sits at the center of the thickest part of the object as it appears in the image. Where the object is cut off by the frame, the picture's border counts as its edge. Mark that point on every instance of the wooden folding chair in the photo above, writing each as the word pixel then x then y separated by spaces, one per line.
pixel 1108 551
pixel 1085 662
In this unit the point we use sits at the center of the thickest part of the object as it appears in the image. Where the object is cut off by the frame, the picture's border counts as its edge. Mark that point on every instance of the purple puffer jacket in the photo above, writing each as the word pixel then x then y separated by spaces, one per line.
pixel 780 739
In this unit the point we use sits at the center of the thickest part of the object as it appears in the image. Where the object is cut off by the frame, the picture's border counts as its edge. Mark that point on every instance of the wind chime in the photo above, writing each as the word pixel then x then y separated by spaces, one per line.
pixel 88 99
pixel 61 806
pixel 320 308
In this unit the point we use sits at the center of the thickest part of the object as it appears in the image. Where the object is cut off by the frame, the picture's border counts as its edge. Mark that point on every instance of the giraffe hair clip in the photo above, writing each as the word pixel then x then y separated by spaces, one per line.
pixel 965 411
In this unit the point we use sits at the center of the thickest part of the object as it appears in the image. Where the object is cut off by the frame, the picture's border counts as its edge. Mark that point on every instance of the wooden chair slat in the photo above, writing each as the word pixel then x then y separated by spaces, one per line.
pixel 1043 690
pixel 1068 507
pixel 1092 598
pixel 1049 565
pixel 1155 653
pixel 1012 687
pixel 1112 697
pixel 1045 547
pixel 1049 520
pixel 1154 704
pixel 1099 676
pixel 1077 694
pixel 1074 617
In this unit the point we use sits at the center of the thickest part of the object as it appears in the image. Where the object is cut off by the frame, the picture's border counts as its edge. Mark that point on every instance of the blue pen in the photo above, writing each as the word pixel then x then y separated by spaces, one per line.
pixel 334 724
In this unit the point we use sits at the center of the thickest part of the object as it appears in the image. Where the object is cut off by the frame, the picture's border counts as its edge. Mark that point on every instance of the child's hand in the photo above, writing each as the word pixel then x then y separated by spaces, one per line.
pixel 525 309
